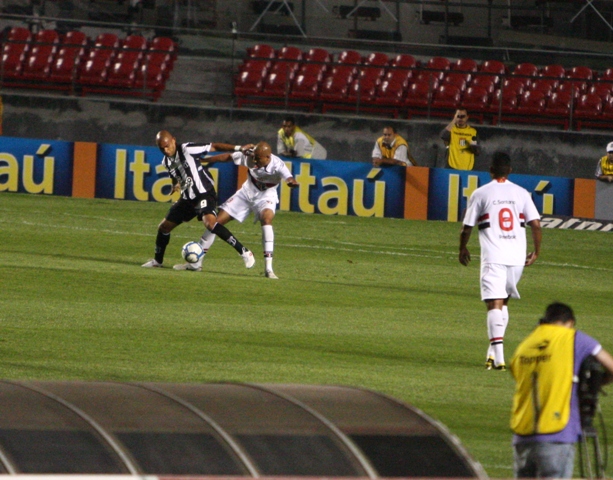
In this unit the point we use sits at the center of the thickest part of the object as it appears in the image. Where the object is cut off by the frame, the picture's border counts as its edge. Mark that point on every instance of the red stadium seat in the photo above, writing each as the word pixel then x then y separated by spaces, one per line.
pixel 526 72
pixel 485 81
pixel 319 55
pixel 334 89
pixel 349 57
pixel 150 78
pixel 438 66
pixel 249 82
pixel 531 102
pixel 261 52
pixel 603 90
pixel 419 94
pixel 447 97
pixel 559 104
pixel 94 71
pixel 305 88
pixel 287 60
pixel 377 59
pixel 476 100
pixel 591 110
pixel 458 79
pixel 545 85
pixel 514 85
pixel 576 88
pixel 553 72
pixel 467 65
pixel 503 101
pixel 583 75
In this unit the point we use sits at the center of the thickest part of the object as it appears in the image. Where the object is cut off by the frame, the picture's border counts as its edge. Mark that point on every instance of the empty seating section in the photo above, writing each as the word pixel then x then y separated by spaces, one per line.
pixel 402 85
pixel 73 62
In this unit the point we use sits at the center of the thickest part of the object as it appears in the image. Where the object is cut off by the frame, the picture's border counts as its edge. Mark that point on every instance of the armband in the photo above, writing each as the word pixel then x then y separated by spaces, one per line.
pixel 237 148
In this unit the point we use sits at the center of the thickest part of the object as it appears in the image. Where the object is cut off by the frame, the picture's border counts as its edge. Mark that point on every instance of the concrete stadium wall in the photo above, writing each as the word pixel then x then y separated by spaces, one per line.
pixel 534 150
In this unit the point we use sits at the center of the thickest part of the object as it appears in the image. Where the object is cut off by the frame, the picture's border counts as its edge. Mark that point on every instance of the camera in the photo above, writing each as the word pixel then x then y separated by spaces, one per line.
pixel 591 377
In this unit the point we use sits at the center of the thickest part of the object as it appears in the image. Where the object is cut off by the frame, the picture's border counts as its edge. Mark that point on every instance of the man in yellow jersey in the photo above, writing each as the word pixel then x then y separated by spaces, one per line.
pixel 547 412
pixel 604 170
pixel 392 149
pixel 292 141
pixel 462 142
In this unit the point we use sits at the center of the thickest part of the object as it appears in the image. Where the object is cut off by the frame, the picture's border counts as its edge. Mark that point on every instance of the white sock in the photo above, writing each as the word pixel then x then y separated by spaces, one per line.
pixel 495 331
pixel 205 242
pixel 268 244
pixel 505 318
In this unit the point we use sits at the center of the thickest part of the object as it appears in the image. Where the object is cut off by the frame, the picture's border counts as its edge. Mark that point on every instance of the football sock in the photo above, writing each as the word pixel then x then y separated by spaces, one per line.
pixel 223 233
pixel 161 241
pixel 505 318
pixel 268 243
pixel 206 241
pixel 495 330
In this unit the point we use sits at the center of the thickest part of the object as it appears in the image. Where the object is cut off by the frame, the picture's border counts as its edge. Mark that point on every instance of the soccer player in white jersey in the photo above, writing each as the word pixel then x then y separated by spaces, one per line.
pixel 501 210
pixel 258 195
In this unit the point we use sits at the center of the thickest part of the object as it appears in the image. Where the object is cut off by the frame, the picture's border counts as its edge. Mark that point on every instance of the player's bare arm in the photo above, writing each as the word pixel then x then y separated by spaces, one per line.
pixel 535 227
pixel 226 147
pixel 291 182
pixel 464 256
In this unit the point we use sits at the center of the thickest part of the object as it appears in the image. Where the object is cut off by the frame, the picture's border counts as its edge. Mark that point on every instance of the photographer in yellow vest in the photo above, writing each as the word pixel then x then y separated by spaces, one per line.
pixel 604 170
pixel 392 149
pixel 292 141
pixel 546 415
pixel 462 142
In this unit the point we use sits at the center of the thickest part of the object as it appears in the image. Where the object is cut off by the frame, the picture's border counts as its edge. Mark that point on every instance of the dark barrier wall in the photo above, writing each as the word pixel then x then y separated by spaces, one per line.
pixel 534 151
pixel 221 429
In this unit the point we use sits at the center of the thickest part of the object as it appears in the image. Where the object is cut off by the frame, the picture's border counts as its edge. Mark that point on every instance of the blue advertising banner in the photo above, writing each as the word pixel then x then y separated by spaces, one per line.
pixel 136 173
pixel 450 190
pixel 36 166
pixel 345 188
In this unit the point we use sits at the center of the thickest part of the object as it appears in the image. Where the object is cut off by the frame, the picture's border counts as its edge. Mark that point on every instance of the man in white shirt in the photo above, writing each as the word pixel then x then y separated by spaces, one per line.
pixel 258 195
pixel 392 149
pixel 501 210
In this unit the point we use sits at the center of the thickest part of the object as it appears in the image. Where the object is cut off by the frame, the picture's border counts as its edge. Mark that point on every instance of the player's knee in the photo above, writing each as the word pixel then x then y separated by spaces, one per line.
pixel 165 226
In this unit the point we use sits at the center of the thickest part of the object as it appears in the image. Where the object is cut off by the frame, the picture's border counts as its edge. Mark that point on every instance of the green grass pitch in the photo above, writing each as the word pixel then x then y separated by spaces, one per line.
pixel 375 303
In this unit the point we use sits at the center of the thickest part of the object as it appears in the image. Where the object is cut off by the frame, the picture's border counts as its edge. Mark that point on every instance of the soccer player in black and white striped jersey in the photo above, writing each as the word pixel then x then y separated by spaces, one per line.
pixel 198 196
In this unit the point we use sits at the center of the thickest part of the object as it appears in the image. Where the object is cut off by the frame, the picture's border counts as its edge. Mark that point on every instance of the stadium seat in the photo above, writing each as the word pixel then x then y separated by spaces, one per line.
pixel 304 92
pixel 446 97
pixel 37 64
pixel 476 100
pixel 467 65
pixel 494 69
pixel 277 84
pixel 553 71
pixel 133 47
pixel 602 89
pixel 150 78
pixel 607 75
pixel 249 82
pixel 559 106
pixel 334 89
pixel 288 60
pixel 438 66
pixel 583 75
pixel 419 94
pixel 526 72
pixel 459 79
pixel 105 46
pixel 589 111
pixel 514 85
pixel 545 85
pixel 576 88
pixel 503 101
pixel 483 80
pixel 377 59
pixel 531 102
pixel 260 51
pixel 14 51
pixel 349 57
pixel 94 70
pixel 390 93
pixel 317 55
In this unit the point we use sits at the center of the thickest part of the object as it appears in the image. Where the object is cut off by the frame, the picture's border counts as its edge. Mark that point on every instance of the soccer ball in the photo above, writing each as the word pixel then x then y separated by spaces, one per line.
pixel 192 252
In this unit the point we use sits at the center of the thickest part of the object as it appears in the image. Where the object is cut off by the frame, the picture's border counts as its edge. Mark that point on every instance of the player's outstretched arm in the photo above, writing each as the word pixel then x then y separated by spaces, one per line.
pixel 535 227
pixel 226 147
pixel 464 256
pixel 291 182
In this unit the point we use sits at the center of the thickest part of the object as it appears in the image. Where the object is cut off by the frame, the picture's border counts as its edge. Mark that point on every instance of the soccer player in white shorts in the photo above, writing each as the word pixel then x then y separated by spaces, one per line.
pixel 501 210
pixel 258 195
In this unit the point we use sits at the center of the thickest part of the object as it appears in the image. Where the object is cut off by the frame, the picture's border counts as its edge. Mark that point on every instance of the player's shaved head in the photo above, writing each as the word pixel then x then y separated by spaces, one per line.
pixel 166 143
pixel 262 154
pixel 262 148
pixel 501 165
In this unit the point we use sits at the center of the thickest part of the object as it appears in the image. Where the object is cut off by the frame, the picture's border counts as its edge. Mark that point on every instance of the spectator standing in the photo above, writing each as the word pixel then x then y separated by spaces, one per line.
pixel 462 142
pixel 545 417
pixel 501 210
pixel 292 141
pixel 392 149
pixel 604 170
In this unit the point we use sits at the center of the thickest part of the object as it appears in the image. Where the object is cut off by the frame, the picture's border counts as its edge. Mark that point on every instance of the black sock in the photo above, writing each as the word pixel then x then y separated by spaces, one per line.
pixel 225 234
pixel 160 246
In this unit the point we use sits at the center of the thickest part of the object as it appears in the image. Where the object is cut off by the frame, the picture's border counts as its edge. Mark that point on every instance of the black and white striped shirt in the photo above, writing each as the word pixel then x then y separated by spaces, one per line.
pixel 185 169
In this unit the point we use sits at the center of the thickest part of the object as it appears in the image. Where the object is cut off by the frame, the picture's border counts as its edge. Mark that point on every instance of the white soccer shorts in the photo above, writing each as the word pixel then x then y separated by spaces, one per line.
pixel 239 205
pixel 499 281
